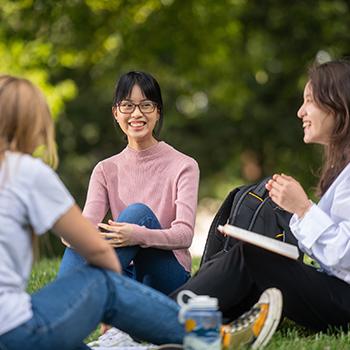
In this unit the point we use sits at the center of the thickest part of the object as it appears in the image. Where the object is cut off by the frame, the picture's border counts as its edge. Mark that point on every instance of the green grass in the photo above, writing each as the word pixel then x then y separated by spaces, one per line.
pixel 43 272
pixel 288 337
pixel 293 338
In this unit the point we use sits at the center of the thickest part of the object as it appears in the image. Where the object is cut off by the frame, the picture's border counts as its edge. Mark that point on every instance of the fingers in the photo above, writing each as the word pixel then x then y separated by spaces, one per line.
pixel 114 223
pixel 105 227
pixel 277 187
pixel 115 239
pixel 112 226
pixel 117 245
pixel 109 235
pixel 117 234
pixel 279 180
pixel 268 185
pixel 287 177
pixel 117 242
pixel 275 184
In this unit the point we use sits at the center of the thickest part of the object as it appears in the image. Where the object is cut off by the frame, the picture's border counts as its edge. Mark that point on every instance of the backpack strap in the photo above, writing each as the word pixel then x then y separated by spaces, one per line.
pixel 220 218
pixel 260 189
pixel 257 212
pixel 238 201
pixel 235 206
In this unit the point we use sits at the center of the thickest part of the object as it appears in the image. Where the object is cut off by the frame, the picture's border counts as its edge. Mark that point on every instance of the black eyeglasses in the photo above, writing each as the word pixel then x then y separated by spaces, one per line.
pixel 129 107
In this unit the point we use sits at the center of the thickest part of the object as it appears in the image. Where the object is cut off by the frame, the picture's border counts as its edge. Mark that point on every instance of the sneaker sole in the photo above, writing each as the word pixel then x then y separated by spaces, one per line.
pixel 272 296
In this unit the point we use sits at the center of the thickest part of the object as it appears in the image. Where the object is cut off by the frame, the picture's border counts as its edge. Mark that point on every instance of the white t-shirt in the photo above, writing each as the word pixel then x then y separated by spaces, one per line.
pixel 31 195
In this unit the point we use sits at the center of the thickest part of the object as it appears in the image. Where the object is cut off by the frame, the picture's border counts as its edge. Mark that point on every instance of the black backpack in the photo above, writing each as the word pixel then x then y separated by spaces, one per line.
pixel 251 208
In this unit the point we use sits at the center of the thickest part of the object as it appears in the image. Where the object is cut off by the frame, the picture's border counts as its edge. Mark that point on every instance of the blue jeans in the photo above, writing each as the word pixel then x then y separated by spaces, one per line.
pixel 67 310
pixel 154 267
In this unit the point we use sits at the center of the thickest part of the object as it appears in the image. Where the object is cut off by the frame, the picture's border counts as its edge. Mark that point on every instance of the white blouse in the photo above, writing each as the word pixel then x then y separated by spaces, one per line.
pixel 324 231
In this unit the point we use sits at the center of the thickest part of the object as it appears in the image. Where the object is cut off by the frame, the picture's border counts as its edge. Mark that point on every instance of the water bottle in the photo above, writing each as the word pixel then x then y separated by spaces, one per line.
pixel 202 321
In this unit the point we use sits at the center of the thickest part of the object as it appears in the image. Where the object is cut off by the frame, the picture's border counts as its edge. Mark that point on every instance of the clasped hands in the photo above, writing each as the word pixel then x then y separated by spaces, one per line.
pixel 288 194
pixel 118 234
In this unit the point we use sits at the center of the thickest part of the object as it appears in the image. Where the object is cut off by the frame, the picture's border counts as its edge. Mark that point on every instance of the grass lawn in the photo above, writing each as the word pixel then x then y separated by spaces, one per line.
pixel 288 337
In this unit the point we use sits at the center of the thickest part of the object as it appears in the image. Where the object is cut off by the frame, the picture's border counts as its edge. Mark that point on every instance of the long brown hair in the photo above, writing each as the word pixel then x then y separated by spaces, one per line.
pixel 25 124
pixel 25 119
pixel 330 84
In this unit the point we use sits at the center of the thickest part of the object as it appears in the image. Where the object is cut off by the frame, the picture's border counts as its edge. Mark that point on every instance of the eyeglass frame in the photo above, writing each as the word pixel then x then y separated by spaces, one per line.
pixel 155 105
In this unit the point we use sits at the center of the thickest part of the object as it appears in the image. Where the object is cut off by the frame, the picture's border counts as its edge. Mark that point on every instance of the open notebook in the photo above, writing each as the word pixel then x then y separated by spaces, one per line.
pixel 273 245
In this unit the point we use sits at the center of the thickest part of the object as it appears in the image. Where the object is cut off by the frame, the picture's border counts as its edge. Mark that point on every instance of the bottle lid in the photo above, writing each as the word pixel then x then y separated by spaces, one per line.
pixel 203 301
pixel 199 302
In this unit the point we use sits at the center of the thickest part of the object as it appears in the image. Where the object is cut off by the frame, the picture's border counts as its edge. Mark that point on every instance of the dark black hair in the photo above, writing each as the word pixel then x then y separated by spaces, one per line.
pixel 330 84
pixel 148 85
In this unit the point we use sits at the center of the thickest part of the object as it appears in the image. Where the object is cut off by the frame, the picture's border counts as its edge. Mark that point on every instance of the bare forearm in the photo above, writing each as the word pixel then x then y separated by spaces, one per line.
pixel 81 234
pixel 106 259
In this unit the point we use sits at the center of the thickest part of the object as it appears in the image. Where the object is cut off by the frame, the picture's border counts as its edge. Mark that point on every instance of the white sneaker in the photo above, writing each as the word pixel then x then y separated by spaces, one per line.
pixel 255 327
pixel 118 340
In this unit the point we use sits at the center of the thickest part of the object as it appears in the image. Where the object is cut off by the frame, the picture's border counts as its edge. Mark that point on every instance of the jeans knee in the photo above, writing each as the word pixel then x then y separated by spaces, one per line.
pixel 140 214
pixel 140 207
pixel 136 209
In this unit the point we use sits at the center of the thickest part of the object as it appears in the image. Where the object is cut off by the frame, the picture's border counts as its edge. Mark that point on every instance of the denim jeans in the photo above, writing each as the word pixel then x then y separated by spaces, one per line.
pixel 67 310
pixel 154 267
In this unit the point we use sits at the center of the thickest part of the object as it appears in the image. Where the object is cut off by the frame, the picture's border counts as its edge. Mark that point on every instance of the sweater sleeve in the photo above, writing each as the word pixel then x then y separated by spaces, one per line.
pixel 97 203
pixel 180 233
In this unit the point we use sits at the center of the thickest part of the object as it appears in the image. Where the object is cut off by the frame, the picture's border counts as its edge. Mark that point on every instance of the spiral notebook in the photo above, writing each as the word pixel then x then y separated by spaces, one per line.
pixel 273 245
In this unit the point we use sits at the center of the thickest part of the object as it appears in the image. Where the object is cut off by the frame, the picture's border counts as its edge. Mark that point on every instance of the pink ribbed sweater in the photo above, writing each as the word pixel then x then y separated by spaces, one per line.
pixel 161 177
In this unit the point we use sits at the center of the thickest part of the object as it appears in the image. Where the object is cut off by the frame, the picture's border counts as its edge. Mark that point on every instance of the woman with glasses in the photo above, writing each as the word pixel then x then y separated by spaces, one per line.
pixel 150 189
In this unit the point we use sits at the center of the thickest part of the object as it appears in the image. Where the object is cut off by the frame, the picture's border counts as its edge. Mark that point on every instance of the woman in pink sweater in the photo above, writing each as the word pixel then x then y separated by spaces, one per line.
pixel 149 187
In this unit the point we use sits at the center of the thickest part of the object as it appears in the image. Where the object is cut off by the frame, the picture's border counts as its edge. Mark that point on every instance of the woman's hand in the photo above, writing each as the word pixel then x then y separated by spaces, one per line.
pixel 119 233
pixel 287 193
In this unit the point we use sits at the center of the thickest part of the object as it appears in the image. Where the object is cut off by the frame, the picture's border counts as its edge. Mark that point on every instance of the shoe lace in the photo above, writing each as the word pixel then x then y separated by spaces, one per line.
pixel 246 320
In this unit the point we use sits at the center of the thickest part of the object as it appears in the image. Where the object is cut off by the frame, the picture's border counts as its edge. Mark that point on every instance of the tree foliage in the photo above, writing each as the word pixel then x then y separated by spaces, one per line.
pixel 231 72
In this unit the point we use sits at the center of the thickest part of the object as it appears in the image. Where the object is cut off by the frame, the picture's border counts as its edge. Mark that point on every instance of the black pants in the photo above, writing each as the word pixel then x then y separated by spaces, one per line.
pixel 237 278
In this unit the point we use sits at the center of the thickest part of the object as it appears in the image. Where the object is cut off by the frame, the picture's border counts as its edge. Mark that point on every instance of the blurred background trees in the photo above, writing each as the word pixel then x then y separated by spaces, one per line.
pixel 231 72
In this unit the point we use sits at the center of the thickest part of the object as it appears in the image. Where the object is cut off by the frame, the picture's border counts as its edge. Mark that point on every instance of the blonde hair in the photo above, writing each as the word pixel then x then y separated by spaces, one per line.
pixel 25 119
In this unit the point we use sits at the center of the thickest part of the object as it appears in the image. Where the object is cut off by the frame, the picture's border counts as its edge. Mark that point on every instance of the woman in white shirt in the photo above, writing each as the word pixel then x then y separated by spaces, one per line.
pixel 315 298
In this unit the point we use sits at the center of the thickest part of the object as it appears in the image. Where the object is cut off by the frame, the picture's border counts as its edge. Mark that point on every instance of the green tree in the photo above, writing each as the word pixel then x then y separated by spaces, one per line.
pixel 231 72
